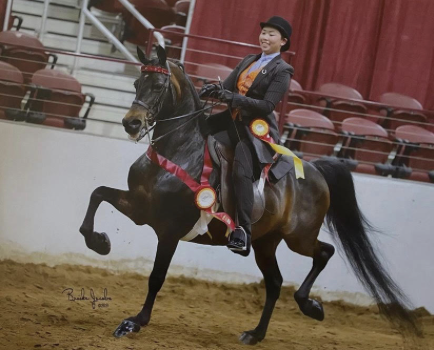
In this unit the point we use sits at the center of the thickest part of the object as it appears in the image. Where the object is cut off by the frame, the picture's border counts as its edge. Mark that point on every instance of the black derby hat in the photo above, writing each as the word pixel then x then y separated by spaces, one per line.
pixel 283 26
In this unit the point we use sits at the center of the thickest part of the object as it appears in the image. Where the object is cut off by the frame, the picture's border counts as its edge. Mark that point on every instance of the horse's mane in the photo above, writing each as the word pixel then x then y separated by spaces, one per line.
pixel 204 128
pixel 189 82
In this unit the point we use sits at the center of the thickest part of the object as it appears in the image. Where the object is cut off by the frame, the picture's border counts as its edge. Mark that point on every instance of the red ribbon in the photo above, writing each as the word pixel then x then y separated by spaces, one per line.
pixel 181 174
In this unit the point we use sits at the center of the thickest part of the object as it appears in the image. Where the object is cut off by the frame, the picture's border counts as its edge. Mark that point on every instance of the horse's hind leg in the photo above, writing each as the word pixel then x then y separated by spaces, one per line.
pixel 265 255
pixel 321 253
pixel 100 242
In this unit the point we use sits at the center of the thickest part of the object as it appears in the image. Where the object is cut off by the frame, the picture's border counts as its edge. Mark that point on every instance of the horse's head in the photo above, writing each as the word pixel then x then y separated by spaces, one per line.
pixel 154 93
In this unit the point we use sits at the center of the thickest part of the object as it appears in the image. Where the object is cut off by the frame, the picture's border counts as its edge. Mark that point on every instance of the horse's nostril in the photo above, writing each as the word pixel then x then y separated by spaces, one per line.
pixel 135 123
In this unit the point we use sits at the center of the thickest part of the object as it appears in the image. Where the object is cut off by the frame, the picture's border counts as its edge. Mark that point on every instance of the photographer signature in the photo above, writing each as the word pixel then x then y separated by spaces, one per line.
pixel 94 300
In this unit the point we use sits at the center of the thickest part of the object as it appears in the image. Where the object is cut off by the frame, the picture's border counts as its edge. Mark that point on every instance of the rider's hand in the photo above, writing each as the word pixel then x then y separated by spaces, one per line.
pixel 225 95
pixel 207 90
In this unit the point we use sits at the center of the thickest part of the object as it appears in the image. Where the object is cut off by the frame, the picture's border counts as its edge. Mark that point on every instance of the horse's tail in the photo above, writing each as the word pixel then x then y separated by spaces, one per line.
pixel 345 219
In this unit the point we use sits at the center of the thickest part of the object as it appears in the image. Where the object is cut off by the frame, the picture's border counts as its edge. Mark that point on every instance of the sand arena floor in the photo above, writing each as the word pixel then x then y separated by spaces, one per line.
pixel 188 314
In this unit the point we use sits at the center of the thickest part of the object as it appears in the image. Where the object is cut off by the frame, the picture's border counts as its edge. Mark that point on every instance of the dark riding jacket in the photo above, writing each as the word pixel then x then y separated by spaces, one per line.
pixel 266 91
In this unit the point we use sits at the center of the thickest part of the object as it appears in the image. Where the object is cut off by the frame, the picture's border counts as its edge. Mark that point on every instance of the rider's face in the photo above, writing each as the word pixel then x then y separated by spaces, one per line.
pixel 271 40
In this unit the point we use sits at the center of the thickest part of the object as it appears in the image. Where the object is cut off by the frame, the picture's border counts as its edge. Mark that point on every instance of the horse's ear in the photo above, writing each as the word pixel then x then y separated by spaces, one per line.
pixel 161 53
pixel 142 57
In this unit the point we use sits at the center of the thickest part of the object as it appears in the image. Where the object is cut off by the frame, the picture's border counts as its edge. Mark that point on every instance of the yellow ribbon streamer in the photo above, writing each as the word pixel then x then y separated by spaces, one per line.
pixel 298 165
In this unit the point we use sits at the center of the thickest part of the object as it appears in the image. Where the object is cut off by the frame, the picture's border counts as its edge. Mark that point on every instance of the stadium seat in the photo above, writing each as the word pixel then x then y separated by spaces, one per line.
pixel 23 57
pixel 296 99
pixel 181 8
pixel 337 104
pixel 209 72
pixel 415 154
pixel 397 110
pixel 11 91
pixel 366 145
pixel 56 100
pixel 111 6
pixel 157 12
pixel 310 134
pixel 173 41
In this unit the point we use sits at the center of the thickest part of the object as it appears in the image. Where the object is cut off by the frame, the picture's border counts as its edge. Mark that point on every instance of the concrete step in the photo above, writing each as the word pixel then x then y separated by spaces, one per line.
pixel 63 27
pixel 64 10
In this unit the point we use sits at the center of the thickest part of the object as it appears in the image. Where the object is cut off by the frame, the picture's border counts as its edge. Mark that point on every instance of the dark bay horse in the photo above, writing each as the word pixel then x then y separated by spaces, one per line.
pixel 296 209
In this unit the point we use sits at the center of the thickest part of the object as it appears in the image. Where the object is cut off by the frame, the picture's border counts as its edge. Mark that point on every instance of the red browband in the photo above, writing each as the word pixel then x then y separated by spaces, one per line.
pixel 154 69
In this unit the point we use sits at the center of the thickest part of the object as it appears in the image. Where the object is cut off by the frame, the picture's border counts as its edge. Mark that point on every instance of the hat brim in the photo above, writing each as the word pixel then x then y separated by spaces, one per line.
pixel 281 30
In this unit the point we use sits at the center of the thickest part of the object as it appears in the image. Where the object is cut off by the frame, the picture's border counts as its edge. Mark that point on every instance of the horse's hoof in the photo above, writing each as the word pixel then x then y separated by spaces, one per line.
pixel 126 326
pixel 314 309
pixel 249 338
pixel 98 242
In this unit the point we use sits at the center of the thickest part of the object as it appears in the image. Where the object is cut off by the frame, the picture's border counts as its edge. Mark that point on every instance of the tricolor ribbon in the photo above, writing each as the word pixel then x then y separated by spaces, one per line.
pixel 260 129
pixel 205 196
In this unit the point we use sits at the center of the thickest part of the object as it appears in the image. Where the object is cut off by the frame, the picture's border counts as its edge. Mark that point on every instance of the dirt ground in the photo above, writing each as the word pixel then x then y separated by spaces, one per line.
pixel 188 314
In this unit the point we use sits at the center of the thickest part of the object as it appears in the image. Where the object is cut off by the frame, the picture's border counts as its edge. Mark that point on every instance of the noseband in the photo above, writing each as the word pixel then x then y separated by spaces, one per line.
pixel 156 108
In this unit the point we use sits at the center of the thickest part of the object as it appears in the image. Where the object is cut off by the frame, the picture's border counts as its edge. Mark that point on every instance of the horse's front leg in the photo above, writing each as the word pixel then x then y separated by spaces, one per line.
pixel 121 200
pixel 165 250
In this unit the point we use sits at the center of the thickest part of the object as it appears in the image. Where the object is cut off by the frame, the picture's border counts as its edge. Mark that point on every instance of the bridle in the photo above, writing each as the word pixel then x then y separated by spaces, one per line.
pixel 158 105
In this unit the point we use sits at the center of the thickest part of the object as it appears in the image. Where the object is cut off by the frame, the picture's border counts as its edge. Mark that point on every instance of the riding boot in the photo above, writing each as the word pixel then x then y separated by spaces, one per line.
pixel 242 176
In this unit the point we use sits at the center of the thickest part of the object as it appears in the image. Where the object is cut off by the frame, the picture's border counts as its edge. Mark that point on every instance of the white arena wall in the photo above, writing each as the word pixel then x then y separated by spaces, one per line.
pixel 47 176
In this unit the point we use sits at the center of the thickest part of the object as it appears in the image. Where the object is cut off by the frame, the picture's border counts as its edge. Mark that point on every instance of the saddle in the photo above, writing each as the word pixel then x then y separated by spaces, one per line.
pixel 223 157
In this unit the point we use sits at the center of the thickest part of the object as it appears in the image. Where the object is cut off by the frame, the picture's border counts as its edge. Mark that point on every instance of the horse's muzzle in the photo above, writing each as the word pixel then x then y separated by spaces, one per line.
pixel 132 127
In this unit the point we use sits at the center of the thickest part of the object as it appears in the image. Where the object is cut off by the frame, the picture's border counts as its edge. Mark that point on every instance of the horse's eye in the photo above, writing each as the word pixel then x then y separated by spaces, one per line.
pixel 158 86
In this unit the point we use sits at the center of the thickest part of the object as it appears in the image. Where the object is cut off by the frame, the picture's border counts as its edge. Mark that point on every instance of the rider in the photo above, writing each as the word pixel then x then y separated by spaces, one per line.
pixel 252 90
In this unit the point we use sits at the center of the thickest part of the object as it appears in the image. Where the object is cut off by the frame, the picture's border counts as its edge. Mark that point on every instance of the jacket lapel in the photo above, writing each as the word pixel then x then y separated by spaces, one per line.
pixel 265 70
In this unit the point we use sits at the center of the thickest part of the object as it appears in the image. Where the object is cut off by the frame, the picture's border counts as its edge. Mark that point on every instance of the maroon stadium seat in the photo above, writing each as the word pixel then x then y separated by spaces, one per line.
pixel 209 73
pixel 367 144
pixel 11 90
pixel 181 8
pixel 397 110
pixel 296 99
pixel 58 96
pixel 415 151
pixel 24 58
pixel 339 108
pixel 157 12
pixel 310 133
pixel 112 6
pixel 174 44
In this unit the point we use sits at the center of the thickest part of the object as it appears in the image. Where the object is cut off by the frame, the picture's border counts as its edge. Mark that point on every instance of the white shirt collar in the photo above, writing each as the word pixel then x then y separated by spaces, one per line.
pixel 265 57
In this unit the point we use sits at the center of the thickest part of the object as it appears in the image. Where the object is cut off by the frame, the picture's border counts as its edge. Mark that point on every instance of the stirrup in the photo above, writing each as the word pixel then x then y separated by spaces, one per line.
pixel 239 241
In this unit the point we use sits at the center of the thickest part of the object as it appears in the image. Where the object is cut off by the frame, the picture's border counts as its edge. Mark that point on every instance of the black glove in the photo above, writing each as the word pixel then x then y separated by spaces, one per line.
pixel 207 90
pixel 225 95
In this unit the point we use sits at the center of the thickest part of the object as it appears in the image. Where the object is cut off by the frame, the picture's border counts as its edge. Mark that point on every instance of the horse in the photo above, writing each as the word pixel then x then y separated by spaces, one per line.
pixel 167 102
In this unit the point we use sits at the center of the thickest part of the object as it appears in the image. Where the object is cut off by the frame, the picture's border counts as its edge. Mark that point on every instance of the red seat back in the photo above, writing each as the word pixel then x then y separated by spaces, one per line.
pixel 209 72
pixel 398 100
pixel 340 90
pixel 11 88
pixel 66 99
pixel 24 58
pixel 312 134
pixel 157 12
pixel 309 119
pixel 367 142
pixel 414 134
pixel 295 86
pixel 174 47
pixel 360 126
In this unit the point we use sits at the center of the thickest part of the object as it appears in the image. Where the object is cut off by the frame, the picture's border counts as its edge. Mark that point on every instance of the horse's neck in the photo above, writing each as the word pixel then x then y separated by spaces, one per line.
pixel 185 145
